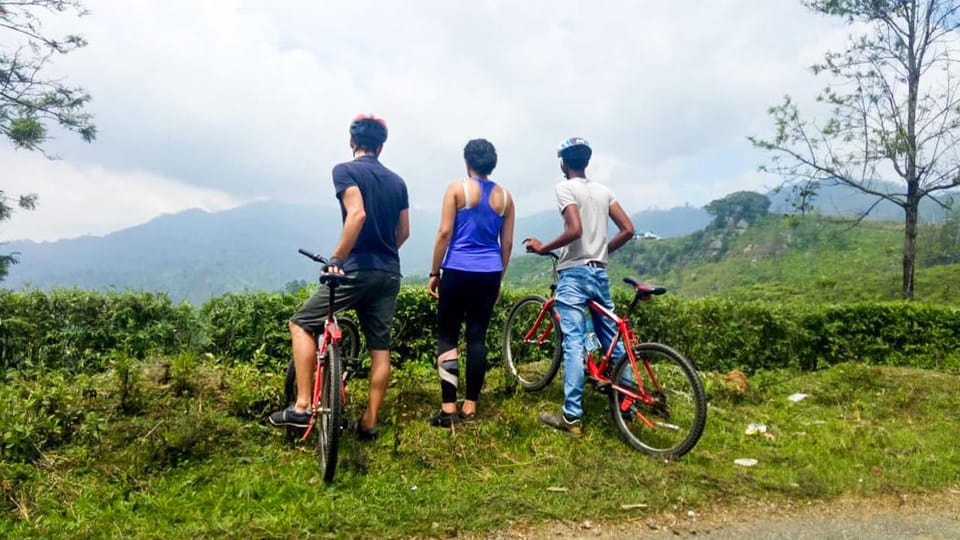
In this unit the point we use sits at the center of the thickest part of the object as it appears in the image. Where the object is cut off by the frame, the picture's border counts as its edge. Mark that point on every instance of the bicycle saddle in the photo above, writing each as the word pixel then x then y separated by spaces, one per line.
pixel 644 288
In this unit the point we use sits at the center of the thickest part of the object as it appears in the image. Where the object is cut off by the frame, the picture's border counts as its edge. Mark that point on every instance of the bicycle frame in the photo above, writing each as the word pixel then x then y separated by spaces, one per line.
pixel 331 334
pixel 594 369
pixel 626 335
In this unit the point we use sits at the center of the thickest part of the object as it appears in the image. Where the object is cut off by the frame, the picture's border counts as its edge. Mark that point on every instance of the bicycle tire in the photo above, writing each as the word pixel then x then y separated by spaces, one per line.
pixel 329 417
pixel 679 414
pixel 533 365
pixel 350 346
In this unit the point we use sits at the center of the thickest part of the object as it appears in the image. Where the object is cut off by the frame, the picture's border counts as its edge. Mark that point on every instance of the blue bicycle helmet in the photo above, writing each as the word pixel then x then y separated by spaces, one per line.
pixel 575 146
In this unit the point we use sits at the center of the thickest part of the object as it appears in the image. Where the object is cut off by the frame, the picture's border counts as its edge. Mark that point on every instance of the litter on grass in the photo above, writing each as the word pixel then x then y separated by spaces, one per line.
pixel 799 396
pixel 753 429
pixel 745 462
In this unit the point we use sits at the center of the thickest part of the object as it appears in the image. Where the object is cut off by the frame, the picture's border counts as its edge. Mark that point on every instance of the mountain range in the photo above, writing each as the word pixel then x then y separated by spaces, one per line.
pixel 195 255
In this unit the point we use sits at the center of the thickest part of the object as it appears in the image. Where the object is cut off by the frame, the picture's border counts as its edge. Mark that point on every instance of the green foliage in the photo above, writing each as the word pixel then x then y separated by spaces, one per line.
pixel 26 202
pixel 721 334
pixel 75 329
pixel 250 327
pixel 741 205
pixel 807 259
pixel 889 109
pixel 717 333
pixel 29 100
pixel 251 393
pixel 188 467
pixel 40 411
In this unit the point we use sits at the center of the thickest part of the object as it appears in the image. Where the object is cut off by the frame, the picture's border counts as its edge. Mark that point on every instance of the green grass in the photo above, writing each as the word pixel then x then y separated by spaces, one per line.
pixel 196 461
pixel 815 259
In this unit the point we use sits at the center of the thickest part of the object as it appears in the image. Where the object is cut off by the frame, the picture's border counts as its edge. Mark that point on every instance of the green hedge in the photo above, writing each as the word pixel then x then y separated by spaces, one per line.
pixel 720 334
pixel 77 329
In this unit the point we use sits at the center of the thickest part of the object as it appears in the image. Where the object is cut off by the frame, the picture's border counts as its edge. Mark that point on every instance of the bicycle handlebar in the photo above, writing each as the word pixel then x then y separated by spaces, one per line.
pixel 328 278
pixel 551 254
pixel 313 256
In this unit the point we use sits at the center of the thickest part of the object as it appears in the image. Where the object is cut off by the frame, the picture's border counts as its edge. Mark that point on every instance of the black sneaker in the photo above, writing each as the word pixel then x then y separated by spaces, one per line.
pixel 573 427
pixel 290 417
pixel 443 419
pixel 466 418
pixel 361 434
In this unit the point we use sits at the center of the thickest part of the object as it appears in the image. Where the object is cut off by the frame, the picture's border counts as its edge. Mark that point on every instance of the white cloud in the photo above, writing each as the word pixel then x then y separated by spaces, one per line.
pixel 251 100
pixel 81 200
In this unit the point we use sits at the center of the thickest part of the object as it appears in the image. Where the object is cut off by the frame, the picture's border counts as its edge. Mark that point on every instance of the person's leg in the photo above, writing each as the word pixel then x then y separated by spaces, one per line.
pixel 375 312
pixel 304 346
pixel 485 286
pixel 450 313
pixel 305 325
pixel 605 328
pixel 379 380
pixel 570 302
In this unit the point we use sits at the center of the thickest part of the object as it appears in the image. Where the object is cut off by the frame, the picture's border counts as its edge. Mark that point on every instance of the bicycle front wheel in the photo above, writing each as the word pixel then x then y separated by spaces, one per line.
pixel 350 356
pixel 329 416
pixel 532 343
pixel 671 423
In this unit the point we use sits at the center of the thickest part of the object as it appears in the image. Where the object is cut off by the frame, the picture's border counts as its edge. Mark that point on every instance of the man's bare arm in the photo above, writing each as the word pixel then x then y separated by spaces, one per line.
pixel 352 224
pixel 622 221
pixel 572 230
pixel 403 227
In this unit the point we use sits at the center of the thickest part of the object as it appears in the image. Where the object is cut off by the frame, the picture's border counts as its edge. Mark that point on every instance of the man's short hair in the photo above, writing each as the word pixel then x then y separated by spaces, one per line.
pixel 577 157
pixel 368 132
pixel 480 156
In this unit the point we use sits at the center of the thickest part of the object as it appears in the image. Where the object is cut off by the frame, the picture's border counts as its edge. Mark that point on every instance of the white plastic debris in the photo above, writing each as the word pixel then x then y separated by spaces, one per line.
pixel 745 462
pixel 799 396
pixel 753 429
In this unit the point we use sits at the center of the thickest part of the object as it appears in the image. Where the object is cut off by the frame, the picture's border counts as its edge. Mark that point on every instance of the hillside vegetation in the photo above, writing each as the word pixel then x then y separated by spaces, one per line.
pixel 816 258
pixel 176 448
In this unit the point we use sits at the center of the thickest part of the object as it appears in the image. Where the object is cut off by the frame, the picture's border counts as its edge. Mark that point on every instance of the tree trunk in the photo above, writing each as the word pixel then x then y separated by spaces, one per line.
pixel 909 247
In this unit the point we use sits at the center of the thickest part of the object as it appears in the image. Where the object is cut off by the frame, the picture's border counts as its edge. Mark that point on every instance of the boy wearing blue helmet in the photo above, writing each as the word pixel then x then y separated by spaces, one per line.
pixel 586 207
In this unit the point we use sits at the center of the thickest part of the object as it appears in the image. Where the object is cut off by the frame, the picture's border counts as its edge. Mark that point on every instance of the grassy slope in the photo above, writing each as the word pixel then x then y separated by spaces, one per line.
pixel 816 259
pixel 196 461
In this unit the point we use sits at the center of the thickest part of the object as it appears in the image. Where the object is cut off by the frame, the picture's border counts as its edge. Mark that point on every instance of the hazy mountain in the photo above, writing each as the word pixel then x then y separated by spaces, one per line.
pixel 845 201
pixel 195 255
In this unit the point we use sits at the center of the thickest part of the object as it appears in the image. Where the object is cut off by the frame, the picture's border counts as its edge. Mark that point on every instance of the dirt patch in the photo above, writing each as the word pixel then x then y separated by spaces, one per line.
pixel 927 516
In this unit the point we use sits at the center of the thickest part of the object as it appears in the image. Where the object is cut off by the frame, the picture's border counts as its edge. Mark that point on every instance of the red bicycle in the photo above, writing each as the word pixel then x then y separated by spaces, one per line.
pixel 329 397
pixel 656 396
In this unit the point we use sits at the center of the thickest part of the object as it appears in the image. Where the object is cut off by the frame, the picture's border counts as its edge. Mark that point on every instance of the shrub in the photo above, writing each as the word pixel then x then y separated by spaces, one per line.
pixel 75 330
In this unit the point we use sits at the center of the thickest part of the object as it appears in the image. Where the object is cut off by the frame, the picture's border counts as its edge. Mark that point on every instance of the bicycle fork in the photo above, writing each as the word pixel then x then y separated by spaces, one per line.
pixel 655 400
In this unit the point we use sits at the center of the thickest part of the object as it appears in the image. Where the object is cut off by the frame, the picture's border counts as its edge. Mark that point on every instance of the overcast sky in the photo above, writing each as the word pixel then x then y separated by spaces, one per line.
pixel 213 104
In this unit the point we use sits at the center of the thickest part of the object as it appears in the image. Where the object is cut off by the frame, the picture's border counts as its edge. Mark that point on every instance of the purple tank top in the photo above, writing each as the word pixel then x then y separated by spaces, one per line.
pixel 475 246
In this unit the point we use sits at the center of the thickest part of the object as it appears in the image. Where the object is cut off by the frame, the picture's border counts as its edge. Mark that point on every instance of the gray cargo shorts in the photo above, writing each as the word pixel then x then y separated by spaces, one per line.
pixel 372 293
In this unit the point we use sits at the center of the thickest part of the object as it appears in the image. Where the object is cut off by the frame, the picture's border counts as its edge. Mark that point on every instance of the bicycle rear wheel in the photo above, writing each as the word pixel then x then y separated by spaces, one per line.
pixel 329 415
pixel 350 346
pixel 679 408
pixel 534 362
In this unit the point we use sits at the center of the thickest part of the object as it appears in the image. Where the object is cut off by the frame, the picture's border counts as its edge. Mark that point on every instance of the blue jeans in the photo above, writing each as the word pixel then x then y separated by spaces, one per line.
pixel 575 287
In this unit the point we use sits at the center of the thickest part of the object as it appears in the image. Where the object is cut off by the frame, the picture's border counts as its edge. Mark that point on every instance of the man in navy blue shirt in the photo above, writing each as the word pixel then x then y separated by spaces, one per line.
pixel 374 204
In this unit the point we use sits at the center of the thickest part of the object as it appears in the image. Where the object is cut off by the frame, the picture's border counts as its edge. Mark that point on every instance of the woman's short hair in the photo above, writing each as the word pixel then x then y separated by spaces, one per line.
pixel 480 156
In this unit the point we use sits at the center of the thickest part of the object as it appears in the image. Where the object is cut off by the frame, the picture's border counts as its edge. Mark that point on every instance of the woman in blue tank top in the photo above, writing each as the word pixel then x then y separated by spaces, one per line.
pixel 473 250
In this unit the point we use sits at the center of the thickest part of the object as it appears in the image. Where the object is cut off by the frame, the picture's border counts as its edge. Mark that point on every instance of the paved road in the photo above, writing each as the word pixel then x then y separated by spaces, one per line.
pixel 933 516
pixel 876 527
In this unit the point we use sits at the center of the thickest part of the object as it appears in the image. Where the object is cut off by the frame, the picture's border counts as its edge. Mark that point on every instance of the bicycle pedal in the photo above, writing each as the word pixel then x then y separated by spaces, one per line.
pixel 600 386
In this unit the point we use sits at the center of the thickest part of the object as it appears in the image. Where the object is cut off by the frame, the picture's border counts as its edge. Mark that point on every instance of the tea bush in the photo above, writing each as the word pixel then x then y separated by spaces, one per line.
pixel 75 330
pixel 78 330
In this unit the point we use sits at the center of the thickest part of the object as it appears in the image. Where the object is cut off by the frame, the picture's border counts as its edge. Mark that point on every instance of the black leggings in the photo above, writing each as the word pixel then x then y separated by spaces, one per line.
pixel 466 297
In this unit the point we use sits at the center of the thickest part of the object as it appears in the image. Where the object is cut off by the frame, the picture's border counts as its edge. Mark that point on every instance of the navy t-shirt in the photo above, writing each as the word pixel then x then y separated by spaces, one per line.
pixel 384 197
